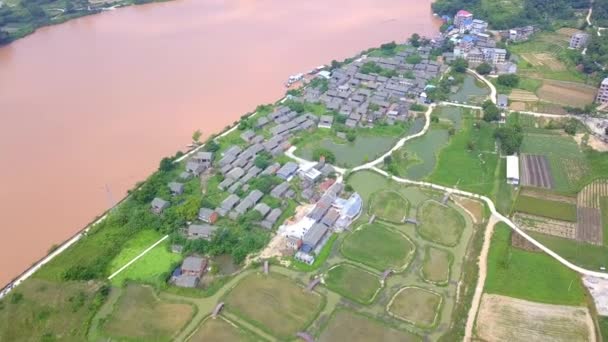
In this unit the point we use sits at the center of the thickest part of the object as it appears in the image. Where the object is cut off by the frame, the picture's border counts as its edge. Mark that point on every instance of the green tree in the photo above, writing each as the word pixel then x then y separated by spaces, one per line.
pixel 351 135
pixel 415 40
pixel 484 68
pixel 508 80
pixel 319 152
pixel 510 138
pixel 570 126
pixel 460 65
pixel 490 111
pixel 196 136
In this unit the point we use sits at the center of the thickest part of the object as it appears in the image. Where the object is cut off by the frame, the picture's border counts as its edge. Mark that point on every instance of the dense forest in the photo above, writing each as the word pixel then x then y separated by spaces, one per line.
pixel 514 13
pixel 600 13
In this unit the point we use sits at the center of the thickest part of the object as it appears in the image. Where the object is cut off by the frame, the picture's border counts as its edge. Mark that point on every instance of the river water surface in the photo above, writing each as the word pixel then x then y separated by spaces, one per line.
pixel 89 107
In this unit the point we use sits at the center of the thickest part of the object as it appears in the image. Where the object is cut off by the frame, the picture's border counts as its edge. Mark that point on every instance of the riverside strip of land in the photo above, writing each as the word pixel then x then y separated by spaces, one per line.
pixel 384 243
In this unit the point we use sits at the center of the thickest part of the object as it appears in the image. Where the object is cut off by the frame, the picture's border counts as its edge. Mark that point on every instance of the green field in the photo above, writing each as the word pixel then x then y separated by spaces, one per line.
pixel 504 194
pixel 604 208
pixel 470 169
pixel 546 208
pixel 274 303
pixel 416 305
pixel 353 282
pixel 529 275
pixel 566 160
pixel 603 323
pixel 586 255
pixel 40 310
pixel 389 206
pixel 152 268
pixel 140 314
pixel 436 265
pixel 219 330
pixel 349 326
pixel 440 224
pixel 378 246
pixel 139 243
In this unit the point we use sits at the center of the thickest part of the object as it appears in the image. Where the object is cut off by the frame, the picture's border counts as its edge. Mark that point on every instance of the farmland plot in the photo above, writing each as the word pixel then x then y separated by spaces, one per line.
pixel 589 212
pixel 567 93
pixel 508 319
pixel 547 226
pixel 352 327
pixel 535 171
pixel 522 96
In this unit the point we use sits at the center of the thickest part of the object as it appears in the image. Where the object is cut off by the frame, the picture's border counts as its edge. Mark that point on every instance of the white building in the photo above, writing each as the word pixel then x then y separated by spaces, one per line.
pixel 513 170
pixel 602 94
pixel 579 40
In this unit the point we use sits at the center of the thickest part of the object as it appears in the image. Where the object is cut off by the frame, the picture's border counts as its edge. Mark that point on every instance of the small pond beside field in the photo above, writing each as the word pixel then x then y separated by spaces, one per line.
pixel 470 91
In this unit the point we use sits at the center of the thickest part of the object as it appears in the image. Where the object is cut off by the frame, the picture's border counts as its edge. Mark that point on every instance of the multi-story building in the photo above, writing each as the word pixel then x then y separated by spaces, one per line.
pixel 579 40
pixel 479 26
pixel 602 94
pixel 462 17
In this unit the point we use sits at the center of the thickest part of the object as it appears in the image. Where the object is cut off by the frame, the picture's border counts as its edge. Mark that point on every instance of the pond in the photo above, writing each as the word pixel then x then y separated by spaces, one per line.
pixel 225 264
pixel 470 91
pixel 419 156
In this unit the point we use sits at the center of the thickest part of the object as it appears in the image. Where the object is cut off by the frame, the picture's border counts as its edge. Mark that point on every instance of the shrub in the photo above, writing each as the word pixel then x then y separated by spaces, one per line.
pixel 509 80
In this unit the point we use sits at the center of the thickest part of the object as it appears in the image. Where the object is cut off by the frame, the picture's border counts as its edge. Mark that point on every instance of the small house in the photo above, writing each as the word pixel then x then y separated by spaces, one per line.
pixel 326 121
pixel 176 188
pixel 200 231
pixel 262 208
pixel 194 266
pixel 288 170
pixel 502 101
pixel 205 158
pixel 248 136
pixel 158 205
pixel 271 218
pixel 207 215
pixel 195 168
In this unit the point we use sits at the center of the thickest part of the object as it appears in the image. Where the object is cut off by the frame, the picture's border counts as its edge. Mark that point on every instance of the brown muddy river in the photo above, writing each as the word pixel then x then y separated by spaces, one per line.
pixel 95 103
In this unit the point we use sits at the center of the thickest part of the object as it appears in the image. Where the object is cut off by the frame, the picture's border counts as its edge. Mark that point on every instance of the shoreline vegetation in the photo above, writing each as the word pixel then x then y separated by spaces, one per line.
pixel 19 18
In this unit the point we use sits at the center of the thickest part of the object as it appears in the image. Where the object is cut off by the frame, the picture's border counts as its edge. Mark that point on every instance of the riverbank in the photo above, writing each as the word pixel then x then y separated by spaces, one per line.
pixel 27 19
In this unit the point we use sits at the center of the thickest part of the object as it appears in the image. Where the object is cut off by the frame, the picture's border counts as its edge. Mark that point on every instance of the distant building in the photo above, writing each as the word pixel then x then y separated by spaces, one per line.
pixel 200 231
pixel 158 205
pixel 513 170
pixel 602 94
pixel 462 17
pixel 502 101
pixel 189 274
pixel 479 26
pixel 579 40
pixel 176 188
pixel 207 215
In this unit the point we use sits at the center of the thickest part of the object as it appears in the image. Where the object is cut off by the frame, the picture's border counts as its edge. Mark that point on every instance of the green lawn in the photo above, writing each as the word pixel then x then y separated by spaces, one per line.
pixel 504 193
pixel 586 255
pixel 473 170
pixel 353 282
pixel 546 208
pixel 378 246
pixel 389 206
pixel 529 275
pixel 134 247
pixel 151 268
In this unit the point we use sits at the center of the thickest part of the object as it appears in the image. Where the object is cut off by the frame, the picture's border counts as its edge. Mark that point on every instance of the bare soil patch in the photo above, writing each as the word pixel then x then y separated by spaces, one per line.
pixel 523 96
pixel 567 93
pixel 593 142
pixel 508 319
pixel 517 106
pixel 474 208
pixel 535 171
pixel 520 242
pixel 545 225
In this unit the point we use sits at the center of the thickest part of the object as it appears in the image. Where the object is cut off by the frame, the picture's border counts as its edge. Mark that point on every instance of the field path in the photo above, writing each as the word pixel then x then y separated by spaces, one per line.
pixel 483 269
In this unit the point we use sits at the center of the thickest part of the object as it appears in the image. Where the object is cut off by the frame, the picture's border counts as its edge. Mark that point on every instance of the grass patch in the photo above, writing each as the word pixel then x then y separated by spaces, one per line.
pixel 389 206
pixel 529 275
pixel 133 248
pixel 41 310
pixel 546 208
pixel 353 282
pixel 504 193
pixel 586 255
pixel 603 323
pixel 378 246
pixel 349 326
pixel 604 209
pixel 140 314
pixel 319 259
pixel 472 169
pixel 152 268
pixel 436 265
pixel 274 303
pixel 416 305
pixel 220 330
pixel 440 224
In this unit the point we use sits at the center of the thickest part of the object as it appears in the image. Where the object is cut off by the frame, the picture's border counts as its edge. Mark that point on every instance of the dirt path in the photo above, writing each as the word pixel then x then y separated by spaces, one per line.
pixel 481 279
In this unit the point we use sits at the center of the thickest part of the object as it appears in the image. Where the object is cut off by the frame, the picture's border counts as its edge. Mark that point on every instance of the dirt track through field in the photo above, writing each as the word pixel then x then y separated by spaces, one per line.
pixel 536 171
pixel 504 318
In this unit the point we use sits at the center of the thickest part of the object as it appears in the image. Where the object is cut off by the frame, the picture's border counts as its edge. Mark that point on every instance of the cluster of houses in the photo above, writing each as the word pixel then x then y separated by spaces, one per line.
pixel 330 213
pixel 366 98
pixel 476 44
